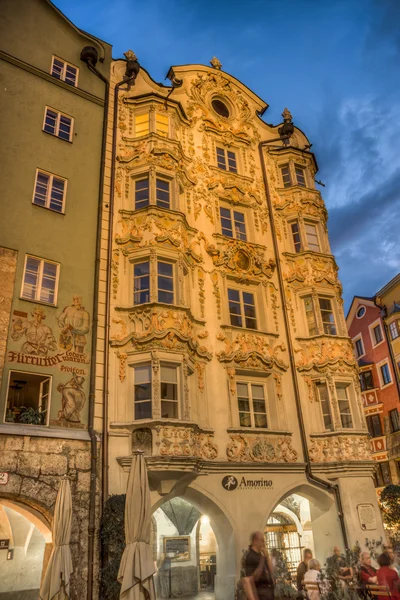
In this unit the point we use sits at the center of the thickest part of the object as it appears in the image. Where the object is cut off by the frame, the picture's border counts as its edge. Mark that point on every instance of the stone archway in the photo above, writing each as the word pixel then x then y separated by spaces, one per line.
pixel 29 549
pixel 224 534
pixel 321 521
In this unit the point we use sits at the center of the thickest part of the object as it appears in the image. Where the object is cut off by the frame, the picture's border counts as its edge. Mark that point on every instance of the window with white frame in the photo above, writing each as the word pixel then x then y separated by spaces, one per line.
pixel 232 223
pixel 286 175
pixel 251 404
pixel 359 347
pixel 155 122
pixel 40 280
pixel 344 405
pixel 312 236
pixel 295 229
pixel 325 404
pixel 377 334
pixel 324 306
pixel 50 191
pixel 242 309
pixel 226 160
pixel 144 387
pixel 165 282
pixel 300 173
pixel 385 374
pixel 153 189
pixel 28 398
pixel 394 330
pixel 58 124
pixel 60 69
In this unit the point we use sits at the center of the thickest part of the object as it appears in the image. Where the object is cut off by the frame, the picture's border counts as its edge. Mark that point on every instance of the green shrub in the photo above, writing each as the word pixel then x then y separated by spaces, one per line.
pixel 112 538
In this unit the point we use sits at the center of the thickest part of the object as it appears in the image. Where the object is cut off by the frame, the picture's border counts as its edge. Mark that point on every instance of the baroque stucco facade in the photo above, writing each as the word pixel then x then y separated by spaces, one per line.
pixel 191 330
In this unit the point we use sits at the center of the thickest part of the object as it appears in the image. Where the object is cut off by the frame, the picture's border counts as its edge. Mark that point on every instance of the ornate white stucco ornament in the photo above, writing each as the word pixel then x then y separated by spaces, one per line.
pixel 130 55
pixel 217 64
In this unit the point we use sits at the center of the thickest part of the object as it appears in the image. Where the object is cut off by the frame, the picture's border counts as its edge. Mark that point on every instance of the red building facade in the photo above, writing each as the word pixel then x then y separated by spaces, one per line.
pixel 377 380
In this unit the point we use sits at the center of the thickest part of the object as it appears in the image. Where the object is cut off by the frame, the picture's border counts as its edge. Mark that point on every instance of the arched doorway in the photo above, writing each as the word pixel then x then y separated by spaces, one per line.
pixel 304 518
pixel 26 541
pixel 186 551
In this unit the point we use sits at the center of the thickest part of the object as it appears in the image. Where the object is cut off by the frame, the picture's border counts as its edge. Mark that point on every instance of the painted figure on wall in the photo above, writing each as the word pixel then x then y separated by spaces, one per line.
pixel 39 338
pixel 73 399
pixel 75 325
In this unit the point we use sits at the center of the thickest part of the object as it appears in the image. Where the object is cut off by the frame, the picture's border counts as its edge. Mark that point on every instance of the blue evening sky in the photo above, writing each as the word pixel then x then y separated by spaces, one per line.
pixel 334 63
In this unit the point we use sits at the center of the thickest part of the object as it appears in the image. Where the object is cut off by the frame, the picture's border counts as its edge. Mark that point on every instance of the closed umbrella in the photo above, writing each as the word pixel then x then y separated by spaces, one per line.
pixel 55 584
pixel 137 567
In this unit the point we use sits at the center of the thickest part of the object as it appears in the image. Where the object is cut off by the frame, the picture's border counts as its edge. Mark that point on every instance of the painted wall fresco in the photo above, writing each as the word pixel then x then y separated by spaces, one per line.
pixel 56 343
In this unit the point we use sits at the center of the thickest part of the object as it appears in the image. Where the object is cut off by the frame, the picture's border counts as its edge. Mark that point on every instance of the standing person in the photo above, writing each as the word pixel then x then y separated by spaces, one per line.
pixel 313 576
pixel 303 568
pixel 258 567
pixel 388 576
pixel 345 572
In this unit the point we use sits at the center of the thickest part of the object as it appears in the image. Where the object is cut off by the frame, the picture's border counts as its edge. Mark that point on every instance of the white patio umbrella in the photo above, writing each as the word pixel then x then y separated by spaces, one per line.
pixel 137 566
pixel 55 584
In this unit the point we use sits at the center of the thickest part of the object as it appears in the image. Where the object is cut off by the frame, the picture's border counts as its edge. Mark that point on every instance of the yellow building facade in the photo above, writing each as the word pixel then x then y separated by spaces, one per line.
pixel 227 357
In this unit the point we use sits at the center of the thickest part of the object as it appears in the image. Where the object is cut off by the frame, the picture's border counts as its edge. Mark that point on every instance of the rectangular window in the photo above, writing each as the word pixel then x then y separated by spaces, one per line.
pixel 165 282
pixel 251 402
pixel 377 334
pixel 232 223
pixel 58 124
pixel 382 474
pixel 142 125
pixel 169 392
pixel 312 237
pixel 141 283
pixel 374 425
pixel 28 398
pixel 394 331
pixel 162 124
pixel 300 175
pixel 49 191
pixel 64 71
pixel 141 193
pixel 296 236
pixel 142 391
pixel 40 280
pixel 327 316
pixel 385 373
pixel 325 406
pixel 226 160
pixel 286 178
pixel 310 316
pixel 162 193
pixel 366 381
pixel 344 406
pixel 359 347
pixel 242 309
pixel 394 420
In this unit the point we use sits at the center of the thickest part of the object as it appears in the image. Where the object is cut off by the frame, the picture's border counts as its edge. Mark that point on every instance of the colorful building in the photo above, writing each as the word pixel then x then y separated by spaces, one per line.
pixel 53 115
pixel 373 325
pixel 229 360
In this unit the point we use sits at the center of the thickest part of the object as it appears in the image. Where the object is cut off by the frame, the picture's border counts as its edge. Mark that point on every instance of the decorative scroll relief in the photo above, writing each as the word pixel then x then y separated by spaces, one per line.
pixel 240 126
pixel 319 354
pixel 261 448
pixel 300 201
pixel 250 349
pixel 340 448
pixel 241 259
pixel 308 269
pixel 185 441
pixel 154 327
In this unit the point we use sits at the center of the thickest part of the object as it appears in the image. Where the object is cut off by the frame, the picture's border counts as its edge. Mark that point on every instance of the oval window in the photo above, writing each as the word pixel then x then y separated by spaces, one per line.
pixel 361 312
pixel 220 108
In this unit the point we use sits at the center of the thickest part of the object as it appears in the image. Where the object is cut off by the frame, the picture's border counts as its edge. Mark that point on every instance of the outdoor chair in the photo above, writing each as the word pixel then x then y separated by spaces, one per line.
pixel 378 591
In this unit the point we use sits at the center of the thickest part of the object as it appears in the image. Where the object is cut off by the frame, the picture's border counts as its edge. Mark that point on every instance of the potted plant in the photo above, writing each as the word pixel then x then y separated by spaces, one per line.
pixel 32 416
